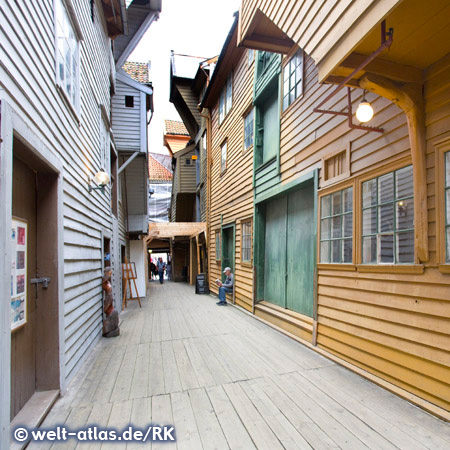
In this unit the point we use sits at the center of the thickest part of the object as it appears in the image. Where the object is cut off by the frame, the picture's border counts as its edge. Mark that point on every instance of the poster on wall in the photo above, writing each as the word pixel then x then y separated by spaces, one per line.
pixel 19 235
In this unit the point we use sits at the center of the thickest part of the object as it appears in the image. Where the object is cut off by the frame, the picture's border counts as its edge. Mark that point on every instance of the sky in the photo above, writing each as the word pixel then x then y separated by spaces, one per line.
pixel 195 27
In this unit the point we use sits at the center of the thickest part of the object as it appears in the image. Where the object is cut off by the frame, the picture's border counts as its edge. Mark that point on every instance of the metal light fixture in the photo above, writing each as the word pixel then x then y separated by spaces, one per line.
pixel 101 179
pixel 364 113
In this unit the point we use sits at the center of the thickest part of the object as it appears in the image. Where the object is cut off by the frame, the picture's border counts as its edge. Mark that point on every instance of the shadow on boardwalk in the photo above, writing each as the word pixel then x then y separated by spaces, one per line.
pixel 226 380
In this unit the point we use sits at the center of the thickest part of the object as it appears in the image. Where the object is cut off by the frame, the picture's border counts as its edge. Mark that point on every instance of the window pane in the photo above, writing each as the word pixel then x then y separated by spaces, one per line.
pixel 347 257
pixel 285 102
pixel 386 188
pixel 386 218
pixel 336 251
pixel 369 193
pixel 447 194
pixel 405 214
pixel 405 184
pixel 325 206
pixel 336 228
pixel 369 249
pixel 370 221
pixel 386 248
pixel 336 203
pixel 448 244
pixel 447 169
pixel 348 200
pixel 348 225
pixel 325 229
pixel 405 247
pixel 325 251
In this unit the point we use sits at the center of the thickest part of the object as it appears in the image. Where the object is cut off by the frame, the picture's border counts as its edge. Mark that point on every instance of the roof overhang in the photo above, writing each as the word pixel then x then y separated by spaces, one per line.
pixel 263 34
pixel 115 16
pixel 171 230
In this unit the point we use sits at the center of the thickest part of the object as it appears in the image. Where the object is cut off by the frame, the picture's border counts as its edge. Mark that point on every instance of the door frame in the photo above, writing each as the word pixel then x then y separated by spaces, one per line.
pixel 14 125
pixel 222 229
pixel 259 231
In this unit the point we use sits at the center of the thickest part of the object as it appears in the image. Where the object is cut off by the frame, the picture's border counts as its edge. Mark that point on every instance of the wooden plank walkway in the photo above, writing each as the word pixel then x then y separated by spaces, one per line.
pixel 226 380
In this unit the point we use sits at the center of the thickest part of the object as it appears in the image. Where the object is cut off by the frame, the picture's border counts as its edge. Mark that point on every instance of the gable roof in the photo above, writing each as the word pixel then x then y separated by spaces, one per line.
pixel 138 71
pixel 156 171
pixel 175 127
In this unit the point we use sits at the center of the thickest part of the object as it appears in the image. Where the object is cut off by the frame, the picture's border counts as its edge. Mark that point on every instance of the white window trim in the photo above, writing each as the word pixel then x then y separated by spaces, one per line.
pixel 70 11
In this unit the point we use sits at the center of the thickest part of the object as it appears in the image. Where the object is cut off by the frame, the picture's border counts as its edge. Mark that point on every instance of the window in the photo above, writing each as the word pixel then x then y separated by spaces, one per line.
pixel 67 55
pixel 388 218
pixel 246 246
pixel 129 101
pixel 105 148
pixel 226 99
pixel 250 56
pixel 336 227
pixel 223 160
pixel 188 162
pixel 293 79
pixel 447 204
pixel 218 252
pixel 248 130
pixel 204 143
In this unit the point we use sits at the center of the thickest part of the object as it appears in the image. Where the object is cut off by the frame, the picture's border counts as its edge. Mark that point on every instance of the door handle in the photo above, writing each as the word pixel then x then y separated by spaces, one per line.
pixel 43 280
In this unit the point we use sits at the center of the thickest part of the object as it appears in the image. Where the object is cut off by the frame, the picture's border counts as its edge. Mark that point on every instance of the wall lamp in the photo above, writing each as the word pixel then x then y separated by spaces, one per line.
pixel 364 112
pixel 101 179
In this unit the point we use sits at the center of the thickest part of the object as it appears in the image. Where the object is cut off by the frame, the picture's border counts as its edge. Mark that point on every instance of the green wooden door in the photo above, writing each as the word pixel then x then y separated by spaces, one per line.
pixel 228 247
pixel 300 251
pixel 275 252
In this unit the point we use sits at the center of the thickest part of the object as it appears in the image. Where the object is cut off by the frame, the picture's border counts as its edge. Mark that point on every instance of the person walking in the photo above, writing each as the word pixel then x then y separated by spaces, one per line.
pixel 161 266
pixel 169 270
pixel 226 287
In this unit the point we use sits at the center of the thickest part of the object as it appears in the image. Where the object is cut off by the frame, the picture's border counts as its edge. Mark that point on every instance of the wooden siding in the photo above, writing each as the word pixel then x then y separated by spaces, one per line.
pixel 319 27
pixel 126 122
pixel 397 325
pixel 232 191
pixel 187 173
pixel 27 78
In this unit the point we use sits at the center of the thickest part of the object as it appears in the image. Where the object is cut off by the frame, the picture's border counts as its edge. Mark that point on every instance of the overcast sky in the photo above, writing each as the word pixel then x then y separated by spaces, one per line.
pixel 195 27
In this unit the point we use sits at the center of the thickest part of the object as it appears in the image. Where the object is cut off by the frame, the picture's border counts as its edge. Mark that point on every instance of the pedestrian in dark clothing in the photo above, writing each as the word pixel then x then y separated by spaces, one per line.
pixel 161 266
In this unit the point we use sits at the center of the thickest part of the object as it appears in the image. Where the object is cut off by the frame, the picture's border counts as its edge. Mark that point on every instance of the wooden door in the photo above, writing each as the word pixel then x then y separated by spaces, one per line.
pixel 23 340
pixel 300 251
pixel 270 123
pixel 228 247
pixel 275 252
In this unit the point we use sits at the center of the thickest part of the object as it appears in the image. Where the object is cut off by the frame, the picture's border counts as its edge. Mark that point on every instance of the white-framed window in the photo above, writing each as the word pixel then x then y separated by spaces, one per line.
pixel 388 218
pixel 246 246
pixel 67 55
pixel 226 99
pixel 336 227
pixel 248 130
pixel 447 205
pixel 250 56
pixel 293 79
pixel 218 246
pixel 105 149
pixel 223 156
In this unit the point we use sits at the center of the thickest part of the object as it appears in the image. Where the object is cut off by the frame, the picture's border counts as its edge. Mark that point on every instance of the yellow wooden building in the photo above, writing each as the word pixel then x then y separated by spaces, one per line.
pixel 350 220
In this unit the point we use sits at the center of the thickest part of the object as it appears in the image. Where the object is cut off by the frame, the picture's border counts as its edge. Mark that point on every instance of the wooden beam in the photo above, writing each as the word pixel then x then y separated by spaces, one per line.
pixel 409 97
pixel 172 229
pixel 199 267
pixel 390 69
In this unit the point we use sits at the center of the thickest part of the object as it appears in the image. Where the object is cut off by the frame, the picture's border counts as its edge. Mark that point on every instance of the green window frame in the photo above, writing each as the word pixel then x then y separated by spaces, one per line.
pixel 248 129
pixel 336 227
pixel 447 205
pixel 293 79
pixel 218 246
pixel 388 218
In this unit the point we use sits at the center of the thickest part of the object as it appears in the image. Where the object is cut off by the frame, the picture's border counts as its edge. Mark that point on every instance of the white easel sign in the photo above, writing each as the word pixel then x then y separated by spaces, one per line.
pixel 19 281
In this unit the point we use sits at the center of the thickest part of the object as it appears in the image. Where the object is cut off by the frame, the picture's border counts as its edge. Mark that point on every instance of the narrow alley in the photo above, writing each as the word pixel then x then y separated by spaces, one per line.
pixel 226 380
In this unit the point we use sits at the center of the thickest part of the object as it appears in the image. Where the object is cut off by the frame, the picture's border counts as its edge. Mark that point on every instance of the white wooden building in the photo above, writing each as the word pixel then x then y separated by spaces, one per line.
pixel 57 77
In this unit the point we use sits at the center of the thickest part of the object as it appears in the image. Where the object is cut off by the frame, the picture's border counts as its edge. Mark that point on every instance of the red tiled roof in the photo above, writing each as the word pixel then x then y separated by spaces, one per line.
pixel 175 127
pixel 138 71
pixel 157 171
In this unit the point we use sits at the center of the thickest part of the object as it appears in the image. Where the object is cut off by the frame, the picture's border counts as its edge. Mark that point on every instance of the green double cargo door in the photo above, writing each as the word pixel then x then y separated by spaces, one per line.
pixel 289 251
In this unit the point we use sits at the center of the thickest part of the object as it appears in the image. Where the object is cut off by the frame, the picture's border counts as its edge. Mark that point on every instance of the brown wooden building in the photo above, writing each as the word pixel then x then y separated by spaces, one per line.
pixel 350 249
